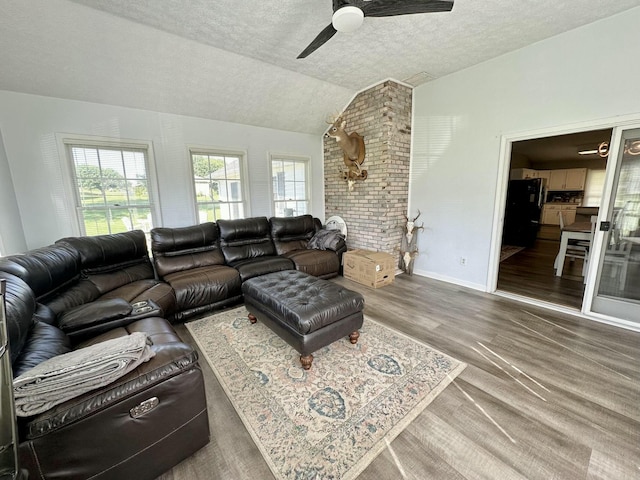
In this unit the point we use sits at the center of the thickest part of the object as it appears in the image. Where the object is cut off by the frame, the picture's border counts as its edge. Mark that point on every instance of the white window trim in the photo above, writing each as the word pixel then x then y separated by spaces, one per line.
pixel 244 173
pixel 307 180
pixel 64 140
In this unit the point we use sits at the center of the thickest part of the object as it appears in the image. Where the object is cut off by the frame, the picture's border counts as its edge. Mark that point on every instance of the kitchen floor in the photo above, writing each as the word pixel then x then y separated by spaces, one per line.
pixel 530 272
pixel 549 232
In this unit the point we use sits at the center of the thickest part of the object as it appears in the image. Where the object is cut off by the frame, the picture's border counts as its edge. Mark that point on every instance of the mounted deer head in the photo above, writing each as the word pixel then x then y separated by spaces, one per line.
pixel 350 143
pixel 352 146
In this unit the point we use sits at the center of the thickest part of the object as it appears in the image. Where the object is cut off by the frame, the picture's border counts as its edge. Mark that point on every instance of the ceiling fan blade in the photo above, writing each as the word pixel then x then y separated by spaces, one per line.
pixel 320 40
pixel 390 8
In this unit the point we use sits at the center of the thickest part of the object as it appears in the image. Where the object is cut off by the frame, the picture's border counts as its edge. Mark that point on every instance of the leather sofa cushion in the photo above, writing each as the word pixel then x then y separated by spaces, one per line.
pixel 19 307
pixel 291 233
pixel 44 342
pixel 104 252
pixel 82 292
pixel 319 263
pixel 179 249
pixel 44 314
pixel 245 238
pixel 254 267
pixel 172 358
pixel 289 246
pixel 204 286
pixel 90 315
pixel 46 270
pixel 111 261
pixel 122 275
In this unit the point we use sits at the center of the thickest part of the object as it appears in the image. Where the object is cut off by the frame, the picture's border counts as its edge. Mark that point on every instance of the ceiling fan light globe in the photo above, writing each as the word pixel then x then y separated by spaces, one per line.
pixel 347 19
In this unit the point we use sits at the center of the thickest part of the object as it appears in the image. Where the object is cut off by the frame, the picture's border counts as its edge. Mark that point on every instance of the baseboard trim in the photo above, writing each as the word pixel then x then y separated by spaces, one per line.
pixel 455 281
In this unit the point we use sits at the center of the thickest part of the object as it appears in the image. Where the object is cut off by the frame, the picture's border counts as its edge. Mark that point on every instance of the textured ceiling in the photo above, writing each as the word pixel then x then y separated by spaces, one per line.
pixel 439 43
pixel 236 60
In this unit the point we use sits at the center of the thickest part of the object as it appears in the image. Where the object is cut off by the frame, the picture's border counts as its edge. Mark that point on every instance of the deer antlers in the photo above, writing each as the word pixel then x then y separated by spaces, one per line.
pixel 412 221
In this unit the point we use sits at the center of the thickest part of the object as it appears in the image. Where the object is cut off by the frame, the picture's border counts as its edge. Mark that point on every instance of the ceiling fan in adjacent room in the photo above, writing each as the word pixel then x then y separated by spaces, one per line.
pixel 349 15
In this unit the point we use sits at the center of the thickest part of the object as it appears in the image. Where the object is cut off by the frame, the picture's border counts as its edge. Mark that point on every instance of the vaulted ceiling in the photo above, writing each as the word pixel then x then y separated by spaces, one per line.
pixel 235 60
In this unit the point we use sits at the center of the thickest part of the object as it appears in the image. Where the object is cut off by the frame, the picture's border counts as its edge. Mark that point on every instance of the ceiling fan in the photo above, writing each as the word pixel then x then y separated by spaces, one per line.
pixel 349 15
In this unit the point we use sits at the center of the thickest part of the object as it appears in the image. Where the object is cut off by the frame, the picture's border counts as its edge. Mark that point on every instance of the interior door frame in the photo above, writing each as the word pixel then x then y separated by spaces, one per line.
pixel 506 140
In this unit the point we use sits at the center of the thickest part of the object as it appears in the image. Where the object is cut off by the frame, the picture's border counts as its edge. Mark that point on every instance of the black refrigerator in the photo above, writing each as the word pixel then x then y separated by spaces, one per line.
pixel 522 215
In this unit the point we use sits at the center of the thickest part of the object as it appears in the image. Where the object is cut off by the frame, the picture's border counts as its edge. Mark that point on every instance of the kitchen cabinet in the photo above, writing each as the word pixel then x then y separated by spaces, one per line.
pixel 551 213
pixel 567 179
pixel 557 179
pixel 546 174
pixel 576 178
pixel 522 174
pixel 568 214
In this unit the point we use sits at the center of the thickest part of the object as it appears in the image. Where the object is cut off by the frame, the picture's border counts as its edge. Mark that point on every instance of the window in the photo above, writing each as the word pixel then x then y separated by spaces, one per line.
pixel 112 188
pixel 290 192
pixel 219 188
pixel 593 188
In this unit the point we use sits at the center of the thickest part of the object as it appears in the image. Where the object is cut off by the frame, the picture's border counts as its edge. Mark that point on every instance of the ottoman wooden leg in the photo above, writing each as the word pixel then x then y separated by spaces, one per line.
pixel 353 337
pixel 306 361
pixel 252 318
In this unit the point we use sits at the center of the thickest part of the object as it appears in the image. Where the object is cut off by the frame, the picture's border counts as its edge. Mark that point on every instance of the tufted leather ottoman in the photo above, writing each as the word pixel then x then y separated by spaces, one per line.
pixel 307 312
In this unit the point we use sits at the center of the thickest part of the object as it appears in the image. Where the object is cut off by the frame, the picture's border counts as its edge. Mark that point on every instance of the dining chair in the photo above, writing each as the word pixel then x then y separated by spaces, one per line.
pixel 594 221
pixel 575 248
pixel 617 255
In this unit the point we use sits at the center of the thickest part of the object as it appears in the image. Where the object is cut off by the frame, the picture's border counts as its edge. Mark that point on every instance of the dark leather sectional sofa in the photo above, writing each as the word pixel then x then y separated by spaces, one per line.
pixel 85 290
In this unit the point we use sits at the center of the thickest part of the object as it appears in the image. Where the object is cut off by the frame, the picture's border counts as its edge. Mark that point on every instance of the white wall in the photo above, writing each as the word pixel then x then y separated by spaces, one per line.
pixel 11 233
pixel 580 76
pixel 29 124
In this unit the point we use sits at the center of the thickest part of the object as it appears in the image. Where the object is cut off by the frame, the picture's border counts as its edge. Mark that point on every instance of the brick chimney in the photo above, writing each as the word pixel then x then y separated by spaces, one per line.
pixel 375 209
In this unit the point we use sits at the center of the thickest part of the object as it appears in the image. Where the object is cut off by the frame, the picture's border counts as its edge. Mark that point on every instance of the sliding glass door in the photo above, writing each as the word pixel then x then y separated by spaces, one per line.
pixel 616 288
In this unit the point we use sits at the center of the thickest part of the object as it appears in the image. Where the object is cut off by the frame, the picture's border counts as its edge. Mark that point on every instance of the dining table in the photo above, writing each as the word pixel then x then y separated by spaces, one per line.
pixel 635 240
pixel 574 231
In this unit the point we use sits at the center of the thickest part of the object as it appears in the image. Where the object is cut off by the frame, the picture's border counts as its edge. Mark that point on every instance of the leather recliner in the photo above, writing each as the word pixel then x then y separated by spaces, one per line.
pixel 247 246
pixel 98 434
pixel 118 266
pixel 79 270
pixel 291 236
pixel 190 260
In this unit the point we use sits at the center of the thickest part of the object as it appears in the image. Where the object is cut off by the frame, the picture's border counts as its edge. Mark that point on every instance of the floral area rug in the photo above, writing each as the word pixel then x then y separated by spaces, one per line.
pixel 330 421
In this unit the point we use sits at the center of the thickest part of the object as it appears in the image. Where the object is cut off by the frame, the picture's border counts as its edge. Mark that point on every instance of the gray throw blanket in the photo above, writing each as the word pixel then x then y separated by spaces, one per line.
pixel 326 240
pixel 66 376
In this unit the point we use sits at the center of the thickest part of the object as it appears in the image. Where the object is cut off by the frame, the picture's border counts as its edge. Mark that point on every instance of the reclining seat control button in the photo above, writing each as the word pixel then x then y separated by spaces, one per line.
pixel 142 309
pixel 144 407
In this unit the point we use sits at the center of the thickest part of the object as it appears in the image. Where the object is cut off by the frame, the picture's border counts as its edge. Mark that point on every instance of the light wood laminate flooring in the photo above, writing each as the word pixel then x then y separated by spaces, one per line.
pixel 545 395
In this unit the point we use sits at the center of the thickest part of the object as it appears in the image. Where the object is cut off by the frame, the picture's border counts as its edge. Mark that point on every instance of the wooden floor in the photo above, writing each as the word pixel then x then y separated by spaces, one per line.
pixel 544 396
pixel 530 273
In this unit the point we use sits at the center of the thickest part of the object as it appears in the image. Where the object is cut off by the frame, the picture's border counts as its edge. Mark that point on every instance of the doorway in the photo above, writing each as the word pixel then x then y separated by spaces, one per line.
pixel 554 182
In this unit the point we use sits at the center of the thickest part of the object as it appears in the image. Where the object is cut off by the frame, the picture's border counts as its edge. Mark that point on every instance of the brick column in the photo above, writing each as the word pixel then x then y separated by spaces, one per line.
pixel 374 210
